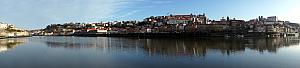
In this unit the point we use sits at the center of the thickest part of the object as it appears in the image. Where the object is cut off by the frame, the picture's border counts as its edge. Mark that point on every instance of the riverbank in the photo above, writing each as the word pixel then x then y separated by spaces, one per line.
pixel 183 35
pixel 4 35
pixel 14 37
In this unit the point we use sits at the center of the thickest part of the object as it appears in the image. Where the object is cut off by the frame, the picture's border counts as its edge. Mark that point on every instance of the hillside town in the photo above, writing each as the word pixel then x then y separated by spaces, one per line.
pixel 188 25
pixel 11 31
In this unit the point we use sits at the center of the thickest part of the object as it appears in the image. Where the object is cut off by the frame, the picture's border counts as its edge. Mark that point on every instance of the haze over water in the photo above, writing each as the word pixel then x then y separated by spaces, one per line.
pixel 112 52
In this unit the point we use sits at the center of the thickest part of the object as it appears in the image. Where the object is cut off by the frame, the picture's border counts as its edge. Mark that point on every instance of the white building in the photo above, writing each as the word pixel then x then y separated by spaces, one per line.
pixel 272 19
pixel 174 21
pixel 270 23
pixel 3 25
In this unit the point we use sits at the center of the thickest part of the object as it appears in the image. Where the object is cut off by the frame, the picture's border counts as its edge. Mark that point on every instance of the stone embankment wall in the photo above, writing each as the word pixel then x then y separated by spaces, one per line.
pixel 5 34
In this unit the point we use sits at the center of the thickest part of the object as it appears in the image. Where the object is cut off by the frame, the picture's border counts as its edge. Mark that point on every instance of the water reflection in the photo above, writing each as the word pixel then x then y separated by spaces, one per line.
pixel 175 47
pixel 200 47
pixel 7 44
pixel 75 42
pixel 69 45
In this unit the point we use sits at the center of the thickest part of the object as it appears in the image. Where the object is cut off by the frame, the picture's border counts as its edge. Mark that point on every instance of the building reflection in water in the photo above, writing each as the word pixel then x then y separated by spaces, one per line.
pixel 176 47
pixel 199 47
pixel 73 42
pixel 7 44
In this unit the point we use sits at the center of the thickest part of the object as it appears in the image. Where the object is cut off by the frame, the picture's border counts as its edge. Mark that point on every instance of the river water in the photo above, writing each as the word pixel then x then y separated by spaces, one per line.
pixel 114 52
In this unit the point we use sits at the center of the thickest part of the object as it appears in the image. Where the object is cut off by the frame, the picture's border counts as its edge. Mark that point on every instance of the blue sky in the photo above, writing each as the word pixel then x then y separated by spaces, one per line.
pixel 34 14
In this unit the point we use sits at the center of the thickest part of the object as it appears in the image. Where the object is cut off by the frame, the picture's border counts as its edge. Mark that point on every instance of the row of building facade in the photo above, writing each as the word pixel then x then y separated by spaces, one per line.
pixel 189 23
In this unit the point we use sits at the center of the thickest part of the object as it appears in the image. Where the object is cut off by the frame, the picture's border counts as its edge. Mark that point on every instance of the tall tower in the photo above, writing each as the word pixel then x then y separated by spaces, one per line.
pixel 228 18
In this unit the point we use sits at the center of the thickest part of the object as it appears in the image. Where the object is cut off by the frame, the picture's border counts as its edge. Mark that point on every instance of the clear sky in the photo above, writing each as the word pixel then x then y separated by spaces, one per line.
pixel 34 14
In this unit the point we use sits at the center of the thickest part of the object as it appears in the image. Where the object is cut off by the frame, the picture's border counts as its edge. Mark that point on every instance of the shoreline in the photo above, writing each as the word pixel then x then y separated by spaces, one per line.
pixel 270 34
pixel 177 35
pixel 14 37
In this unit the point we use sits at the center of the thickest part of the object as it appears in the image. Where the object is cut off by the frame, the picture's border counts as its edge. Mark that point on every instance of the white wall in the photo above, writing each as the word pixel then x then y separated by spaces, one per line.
pixel 3 26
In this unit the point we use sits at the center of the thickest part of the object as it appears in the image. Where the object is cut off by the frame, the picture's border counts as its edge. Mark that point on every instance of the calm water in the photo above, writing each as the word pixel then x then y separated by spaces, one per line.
pixel 106 52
